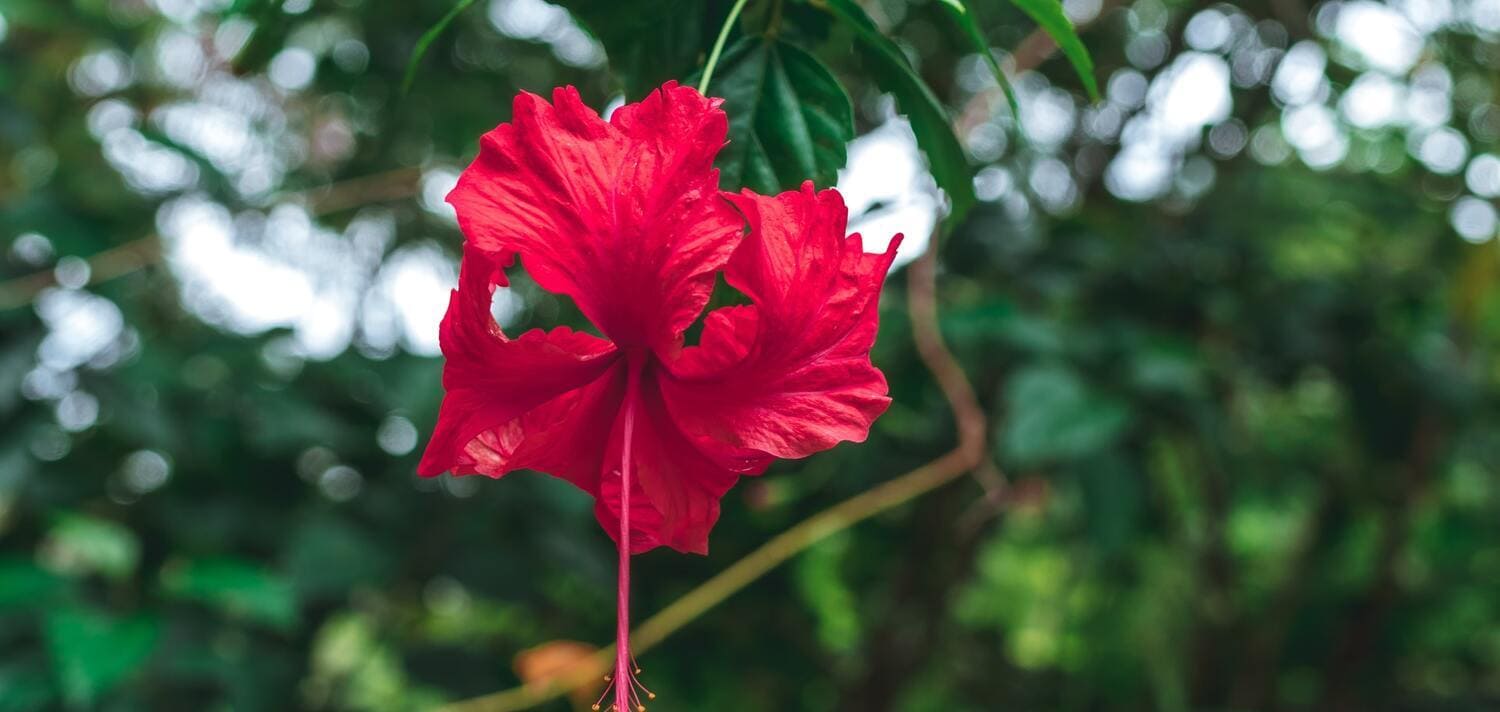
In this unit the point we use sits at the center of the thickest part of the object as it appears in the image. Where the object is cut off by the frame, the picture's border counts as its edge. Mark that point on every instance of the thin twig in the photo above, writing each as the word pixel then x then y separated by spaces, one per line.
pixel 965 457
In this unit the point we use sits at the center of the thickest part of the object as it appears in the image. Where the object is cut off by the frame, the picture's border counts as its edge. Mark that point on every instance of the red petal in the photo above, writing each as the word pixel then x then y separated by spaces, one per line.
pixel 499 390
pixel 674 499
pixel 565 437
pixel 623 216
pixel 791 375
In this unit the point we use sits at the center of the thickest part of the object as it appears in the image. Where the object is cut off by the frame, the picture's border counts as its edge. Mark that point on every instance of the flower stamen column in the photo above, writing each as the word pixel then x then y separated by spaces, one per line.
pixel 624 678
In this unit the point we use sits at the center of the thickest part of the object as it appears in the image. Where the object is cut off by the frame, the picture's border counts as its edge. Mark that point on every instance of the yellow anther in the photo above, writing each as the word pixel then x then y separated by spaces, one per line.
pixel 596 707
pixel 650 695
pixel 640 708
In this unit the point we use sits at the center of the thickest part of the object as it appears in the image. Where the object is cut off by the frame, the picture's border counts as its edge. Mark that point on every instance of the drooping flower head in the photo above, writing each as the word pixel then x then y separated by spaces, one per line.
pixel 625 217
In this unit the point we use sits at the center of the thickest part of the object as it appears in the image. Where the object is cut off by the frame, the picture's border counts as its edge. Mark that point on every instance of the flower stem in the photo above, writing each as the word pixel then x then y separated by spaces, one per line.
pixel 713 55
pixel 624 676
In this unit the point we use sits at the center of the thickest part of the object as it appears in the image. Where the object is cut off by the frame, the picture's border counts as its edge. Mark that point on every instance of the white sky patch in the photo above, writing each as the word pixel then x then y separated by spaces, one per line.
pixel 233 273
pixel 1427 16
pixel 1382 37
pixel 79 327
pixel 179 60
pixel 1191 94
pixel 231 36
pixel 409 298
pixel 100 72
pixel 1473 219
pixel 111 114
pixel 1314 131
pixel 1082 11
pixel 180 11
pixel 1308 128
pixel 1139 173
pixel 992 183
pixel 1053 184
pixel 1047 115
pixel 542 21
pixel 227 284
pixel 1127 88
pixel 32 249
pixel 1483 175
pixel 1485 14
pixel 76 411
pixel 232 123
pixel 1299 78
pixel 612 106
pixel 146 165
pixel 1373 101
pixel 885 169
pixel 437 183
pixel 222 136
pixel 1181 101
pixel 1208 31
pixel 1429 103
pixel 1443 150
pixel 293 68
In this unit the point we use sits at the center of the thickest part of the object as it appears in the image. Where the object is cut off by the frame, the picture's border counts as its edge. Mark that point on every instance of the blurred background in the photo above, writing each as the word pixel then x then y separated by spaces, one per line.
pixel 1235 326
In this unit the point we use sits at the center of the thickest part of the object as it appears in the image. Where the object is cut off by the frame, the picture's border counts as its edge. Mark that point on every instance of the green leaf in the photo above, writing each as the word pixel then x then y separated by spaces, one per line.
pixel 326 556
pixel 1054 416
pixel 27 685
pixel 240 589
pixel 94 651
pixel 789 120
pixel 650 41
pixel 929 120
pixel 820 580
pixel 24 585
pixel 1049 15
pixel 964 18
pixel 1112 497
pixel 79 545
pixel 427 39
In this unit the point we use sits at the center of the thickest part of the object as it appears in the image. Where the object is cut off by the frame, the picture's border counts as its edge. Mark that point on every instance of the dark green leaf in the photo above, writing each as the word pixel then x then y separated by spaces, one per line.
pixel 326 556
pixel 1049 15
pixel 929 120
pixel 26 686
pixel 789 120
pixel 1055 416
pixel 240 589
pixel 427 39
pixel 648 42
pixel 1112 496
pixel 94 651
pixel 26 585
pixel 964 18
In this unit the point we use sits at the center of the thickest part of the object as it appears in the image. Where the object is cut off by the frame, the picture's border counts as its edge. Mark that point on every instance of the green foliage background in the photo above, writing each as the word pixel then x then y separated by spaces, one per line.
pixel 1250 424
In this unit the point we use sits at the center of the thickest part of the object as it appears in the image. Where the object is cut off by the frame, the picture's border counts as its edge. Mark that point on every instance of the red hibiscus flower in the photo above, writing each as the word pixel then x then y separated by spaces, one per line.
pixel 625 217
